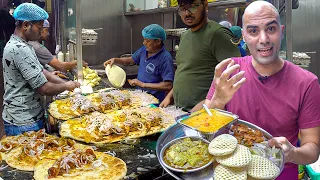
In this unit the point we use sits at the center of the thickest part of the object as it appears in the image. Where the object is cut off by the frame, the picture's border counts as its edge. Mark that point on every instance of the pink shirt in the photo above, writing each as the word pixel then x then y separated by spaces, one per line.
pixel 281 103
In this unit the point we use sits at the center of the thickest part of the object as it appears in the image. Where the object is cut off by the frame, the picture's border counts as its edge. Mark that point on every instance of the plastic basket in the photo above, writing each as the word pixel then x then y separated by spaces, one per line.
pixel 312 174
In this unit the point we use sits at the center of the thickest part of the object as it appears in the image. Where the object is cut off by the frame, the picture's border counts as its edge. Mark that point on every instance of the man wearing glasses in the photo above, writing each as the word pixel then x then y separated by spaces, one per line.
pixel 24 77
pixel 201 48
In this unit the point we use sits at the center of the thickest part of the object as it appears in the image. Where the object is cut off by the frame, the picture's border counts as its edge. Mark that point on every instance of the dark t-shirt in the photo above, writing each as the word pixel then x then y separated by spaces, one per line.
pixel 199 53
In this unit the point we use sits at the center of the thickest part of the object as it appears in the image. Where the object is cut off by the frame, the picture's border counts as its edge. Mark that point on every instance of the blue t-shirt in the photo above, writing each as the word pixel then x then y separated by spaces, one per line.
pixel 155 69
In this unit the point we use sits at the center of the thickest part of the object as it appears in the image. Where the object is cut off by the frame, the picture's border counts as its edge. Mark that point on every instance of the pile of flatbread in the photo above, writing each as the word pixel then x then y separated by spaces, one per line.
pixel 237 162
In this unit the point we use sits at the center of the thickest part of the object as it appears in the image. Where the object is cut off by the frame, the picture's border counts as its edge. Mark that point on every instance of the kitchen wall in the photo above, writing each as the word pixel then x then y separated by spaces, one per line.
pixel 306 31
pixel 114 39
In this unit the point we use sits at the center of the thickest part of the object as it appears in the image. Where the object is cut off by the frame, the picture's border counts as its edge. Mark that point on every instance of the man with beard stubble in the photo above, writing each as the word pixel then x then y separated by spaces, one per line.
pixel 25 80
pixel 201 48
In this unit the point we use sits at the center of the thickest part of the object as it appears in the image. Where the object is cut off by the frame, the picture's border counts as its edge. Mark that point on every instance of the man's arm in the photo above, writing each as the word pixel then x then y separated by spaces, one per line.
pixel 124 60
pixel 51 89
pixel 62 66
pixel 162 86
pixel 52 78
pixel 167 100
pixel 309 150
pixel 198 106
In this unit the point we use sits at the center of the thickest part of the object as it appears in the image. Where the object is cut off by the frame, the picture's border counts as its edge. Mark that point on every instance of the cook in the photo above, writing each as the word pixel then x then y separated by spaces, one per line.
pixel 24 77
pixel 44 55
pixel 156 71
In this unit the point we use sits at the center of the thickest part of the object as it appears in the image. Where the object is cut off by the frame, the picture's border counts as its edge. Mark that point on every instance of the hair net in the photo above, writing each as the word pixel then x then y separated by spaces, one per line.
pixel 30 12
pixel 236 30
pixel 154 31
pixel 225 24
pixel 46 24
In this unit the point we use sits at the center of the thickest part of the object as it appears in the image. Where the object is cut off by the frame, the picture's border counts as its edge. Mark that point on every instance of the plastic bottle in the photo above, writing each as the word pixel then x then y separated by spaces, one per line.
pixel 67 57
pixel 60 56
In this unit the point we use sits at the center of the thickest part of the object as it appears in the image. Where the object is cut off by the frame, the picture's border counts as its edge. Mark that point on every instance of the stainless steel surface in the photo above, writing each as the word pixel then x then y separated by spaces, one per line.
pixel 289 30
pixel 178 131
pixel 306 34
pixel 193 138
pixel 210 136
pixel 218 4
pixel 114 38
pixel 79 41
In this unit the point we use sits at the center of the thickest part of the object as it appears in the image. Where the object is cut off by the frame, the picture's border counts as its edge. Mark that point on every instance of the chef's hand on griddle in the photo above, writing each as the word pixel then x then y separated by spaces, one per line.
pixel 110 61
pixel 225 84
pixel 71 85
pixel 285 145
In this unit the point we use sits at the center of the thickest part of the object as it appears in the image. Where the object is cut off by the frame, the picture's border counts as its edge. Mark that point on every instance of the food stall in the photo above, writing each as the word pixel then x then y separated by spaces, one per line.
pixel 138 151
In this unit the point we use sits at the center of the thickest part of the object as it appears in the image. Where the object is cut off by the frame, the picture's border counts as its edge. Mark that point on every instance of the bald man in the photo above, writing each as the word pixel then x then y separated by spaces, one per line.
pixel 270 92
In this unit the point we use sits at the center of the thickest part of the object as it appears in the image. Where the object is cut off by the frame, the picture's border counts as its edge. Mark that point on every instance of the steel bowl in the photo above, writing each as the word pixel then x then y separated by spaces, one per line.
pixel 210 135
pixel 193 138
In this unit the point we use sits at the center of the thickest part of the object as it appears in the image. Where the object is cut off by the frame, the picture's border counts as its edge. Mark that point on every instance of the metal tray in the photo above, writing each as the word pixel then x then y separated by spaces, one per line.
pixel 179 130
pixel 210 136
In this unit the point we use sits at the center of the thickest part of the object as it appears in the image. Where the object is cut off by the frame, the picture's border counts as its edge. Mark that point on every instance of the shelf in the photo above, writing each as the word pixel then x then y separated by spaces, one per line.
pixel 218 4
pixel 173 37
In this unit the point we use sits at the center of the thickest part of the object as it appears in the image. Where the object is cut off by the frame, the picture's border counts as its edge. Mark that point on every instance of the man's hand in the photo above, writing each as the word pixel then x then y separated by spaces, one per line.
pixel 110 61
pixel 285 145
pixel 84 64
pixel 56 72
pixel 71 85
pixel 225 85
pixel 166 102
pixel 136 82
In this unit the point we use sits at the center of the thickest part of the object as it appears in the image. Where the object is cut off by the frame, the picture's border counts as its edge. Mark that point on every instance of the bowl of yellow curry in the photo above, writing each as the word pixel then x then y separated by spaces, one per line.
pixel 186 154
pixel 208 126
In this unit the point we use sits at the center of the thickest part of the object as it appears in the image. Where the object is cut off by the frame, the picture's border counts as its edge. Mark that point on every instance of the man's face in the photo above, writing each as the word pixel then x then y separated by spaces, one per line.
pixel 44 34
pixel 263 34
pixel 32 31
pixel 192 14
pixel 151 44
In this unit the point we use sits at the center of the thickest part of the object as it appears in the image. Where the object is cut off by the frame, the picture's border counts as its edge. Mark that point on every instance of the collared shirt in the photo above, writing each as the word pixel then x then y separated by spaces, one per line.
pixel 22 74
pixel 43 54
pixel 155 69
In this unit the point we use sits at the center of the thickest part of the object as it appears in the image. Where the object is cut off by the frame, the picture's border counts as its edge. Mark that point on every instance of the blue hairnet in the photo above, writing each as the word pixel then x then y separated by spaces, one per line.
pixel 236 30
pixel 46 24
pixel 30 12
pixel 154 31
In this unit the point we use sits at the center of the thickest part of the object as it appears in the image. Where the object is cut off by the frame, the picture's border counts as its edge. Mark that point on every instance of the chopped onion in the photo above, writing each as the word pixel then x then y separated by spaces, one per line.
pixel 71 175
pixel 142 169
pixel 3 167
pixel 97 163
pixel 7 149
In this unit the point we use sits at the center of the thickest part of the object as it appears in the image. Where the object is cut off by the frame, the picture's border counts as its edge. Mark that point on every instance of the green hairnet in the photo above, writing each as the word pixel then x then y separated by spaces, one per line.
pixel 30 12
pixel 154 31
pixel 236 30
